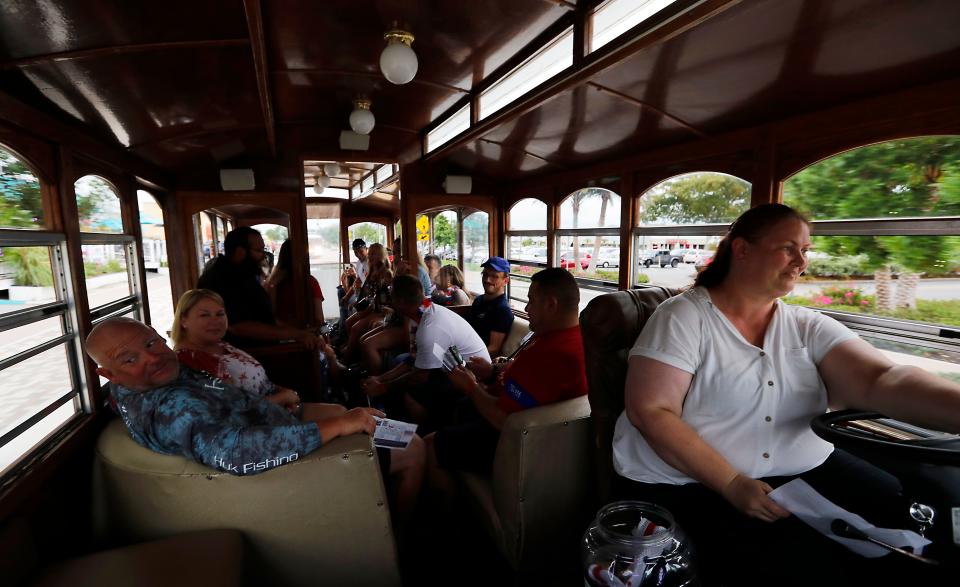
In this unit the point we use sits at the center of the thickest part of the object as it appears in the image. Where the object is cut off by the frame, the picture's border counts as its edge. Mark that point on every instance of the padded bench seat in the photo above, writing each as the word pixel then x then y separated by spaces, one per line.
pixel 323 519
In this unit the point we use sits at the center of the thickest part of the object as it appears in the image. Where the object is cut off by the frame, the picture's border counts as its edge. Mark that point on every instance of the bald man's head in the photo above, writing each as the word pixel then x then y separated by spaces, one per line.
pixel 131 354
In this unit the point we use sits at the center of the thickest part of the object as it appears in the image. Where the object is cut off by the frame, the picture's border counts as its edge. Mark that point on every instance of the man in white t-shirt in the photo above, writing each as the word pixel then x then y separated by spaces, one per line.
pixel 419 386
pixel 361 265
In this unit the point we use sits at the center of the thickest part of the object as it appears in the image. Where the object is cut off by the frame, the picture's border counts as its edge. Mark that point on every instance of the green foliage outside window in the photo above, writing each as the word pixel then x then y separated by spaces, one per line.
pixel 21 205
pixel 896 179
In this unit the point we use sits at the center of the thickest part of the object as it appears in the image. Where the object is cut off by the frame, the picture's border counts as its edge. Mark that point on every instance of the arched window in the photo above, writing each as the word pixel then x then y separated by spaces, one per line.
pixel 108 253
pixel 98 205
pixel 447 232
pixel 39 391
pixel 526 246
pixel 886 250
pixel 370 232
pixel 155 262
pixel 680 222
pixel 588 240
pixel 476 247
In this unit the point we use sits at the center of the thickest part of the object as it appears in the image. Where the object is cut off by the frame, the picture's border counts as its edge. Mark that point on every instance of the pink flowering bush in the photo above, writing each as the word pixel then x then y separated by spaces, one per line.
pixel 842 296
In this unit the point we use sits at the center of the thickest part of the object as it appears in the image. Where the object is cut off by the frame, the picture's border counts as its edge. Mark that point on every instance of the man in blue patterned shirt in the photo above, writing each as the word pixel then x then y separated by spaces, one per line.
pixel 173 410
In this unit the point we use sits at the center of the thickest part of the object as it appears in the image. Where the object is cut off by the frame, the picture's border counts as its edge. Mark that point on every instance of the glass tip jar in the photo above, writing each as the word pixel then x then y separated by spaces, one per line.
pixel 637 544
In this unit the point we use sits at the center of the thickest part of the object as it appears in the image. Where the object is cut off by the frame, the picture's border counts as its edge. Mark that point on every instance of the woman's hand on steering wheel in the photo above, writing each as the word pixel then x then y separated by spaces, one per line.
pixel 749 496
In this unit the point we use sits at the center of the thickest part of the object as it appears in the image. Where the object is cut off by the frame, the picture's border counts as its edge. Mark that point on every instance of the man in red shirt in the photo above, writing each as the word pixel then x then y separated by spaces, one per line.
pixel 548 369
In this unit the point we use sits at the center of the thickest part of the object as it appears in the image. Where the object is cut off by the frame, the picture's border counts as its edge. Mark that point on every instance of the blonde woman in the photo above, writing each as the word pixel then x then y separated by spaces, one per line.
pixel 198 328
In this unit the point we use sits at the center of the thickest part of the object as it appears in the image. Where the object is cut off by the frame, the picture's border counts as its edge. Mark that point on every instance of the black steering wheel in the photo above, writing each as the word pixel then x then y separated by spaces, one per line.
pixel 874 435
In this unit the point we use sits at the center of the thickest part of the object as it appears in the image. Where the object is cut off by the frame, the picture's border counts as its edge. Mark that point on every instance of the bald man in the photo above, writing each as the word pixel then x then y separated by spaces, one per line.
pixel 175 410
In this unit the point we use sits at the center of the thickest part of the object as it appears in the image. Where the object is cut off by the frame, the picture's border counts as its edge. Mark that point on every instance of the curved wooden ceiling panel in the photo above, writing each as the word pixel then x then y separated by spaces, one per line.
pixel 139 98
pixel 763 61
pixel 32 28
pixel 458 43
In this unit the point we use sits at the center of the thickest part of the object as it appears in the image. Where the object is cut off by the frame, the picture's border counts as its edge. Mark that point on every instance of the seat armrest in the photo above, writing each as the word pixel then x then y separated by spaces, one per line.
pixel 541 477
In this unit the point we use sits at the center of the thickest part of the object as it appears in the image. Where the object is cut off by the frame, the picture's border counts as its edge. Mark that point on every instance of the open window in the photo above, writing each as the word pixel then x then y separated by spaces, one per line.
pixel 886 249
pixel 526 246
pixel 679 224
pixel 40 385
pixel 588 241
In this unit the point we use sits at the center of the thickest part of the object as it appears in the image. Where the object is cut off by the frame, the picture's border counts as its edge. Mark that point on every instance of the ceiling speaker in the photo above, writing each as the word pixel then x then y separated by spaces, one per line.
pixel 351 141
pixel 232 180
pixel 458 184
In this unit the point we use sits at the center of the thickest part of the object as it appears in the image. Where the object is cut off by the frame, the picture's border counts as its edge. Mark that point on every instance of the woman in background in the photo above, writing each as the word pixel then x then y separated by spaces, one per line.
pixel 281 289
pixel 450 286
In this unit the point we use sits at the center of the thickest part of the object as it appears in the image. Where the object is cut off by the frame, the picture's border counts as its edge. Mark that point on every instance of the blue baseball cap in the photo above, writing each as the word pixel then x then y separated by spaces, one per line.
pixel 497 264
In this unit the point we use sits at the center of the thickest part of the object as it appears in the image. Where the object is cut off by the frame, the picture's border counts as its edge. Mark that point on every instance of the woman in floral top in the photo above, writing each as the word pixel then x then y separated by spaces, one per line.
pixel 198 328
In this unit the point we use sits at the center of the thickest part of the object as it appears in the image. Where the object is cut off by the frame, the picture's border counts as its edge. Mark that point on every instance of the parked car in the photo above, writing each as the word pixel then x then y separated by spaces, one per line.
pixel 697 256
pixel 584 261
pixel 609 258
pixel 672 258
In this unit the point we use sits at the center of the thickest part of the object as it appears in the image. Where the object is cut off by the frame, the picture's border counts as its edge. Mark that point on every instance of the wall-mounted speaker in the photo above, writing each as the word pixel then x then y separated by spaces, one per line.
pixel 351 141
pixel 232 180
pixel 458 184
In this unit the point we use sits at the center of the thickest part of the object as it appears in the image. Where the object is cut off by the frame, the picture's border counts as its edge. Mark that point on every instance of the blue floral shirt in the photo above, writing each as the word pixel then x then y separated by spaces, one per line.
pixel 214 423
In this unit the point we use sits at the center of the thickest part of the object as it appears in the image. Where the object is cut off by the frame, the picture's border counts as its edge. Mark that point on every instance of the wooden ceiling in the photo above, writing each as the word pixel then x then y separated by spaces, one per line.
pixel 194 86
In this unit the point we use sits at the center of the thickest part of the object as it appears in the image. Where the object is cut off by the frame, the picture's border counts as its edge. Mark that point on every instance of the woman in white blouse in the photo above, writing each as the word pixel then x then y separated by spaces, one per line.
pixel 723 382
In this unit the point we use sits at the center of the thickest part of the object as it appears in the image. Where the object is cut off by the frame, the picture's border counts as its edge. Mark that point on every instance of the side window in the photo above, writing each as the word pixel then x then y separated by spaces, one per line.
pixel 680 222
pixel 108 253
pixel 39 374
pixel 370 232
pixel 886 251
pixel 526 247
pixel 588 240
pixel 155 261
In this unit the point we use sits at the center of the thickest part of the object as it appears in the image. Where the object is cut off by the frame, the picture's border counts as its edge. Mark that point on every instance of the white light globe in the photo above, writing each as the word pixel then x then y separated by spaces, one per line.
pixel 317 189
pixel 398 63
pixel 362 121
pixel 323 181
pixel 331 169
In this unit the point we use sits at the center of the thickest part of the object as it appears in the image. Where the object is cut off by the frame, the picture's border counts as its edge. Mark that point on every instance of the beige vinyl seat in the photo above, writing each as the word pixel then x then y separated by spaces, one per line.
pixel 323 519
pixel 534 505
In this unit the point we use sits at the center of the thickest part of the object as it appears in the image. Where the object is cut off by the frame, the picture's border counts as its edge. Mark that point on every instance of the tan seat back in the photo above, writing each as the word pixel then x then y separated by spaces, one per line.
pixel 322 519
pixel 518 330
pixel 610 325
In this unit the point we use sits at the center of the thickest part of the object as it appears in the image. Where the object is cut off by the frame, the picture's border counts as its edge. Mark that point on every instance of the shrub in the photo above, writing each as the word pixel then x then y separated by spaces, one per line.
pixel 31 265
pixel 643 278
pixel 607 275
pixel 842 266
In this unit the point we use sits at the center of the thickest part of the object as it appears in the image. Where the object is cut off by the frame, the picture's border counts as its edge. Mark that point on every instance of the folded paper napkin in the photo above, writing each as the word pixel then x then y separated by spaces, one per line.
pixel 803 501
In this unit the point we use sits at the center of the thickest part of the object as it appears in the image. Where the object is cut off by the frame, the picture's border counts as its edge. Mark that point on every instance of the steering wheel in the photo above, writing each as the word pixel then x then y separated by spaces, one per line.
pixel 872 434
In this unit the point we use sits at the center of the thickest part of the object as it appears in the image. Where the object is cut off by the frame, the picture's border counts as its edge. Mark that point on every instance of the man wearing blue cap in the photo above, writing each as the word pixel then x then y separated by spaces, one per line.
pixel 490 315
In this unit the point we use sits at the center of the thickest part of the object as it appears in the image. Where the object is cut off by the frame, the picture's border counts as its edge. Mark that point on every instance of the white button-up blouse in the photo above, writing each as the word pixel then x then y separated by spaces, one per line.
pixel 753 405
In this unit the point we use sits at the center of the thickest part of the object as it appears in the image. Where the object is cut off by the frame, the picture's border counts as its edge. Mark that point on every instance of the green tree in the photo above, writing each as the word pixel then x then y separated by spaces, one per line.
pixel 695 198
pixel 31 265
pixel 904 178
pixel 20 202
pixel 369 232
pixel 276 234
pixel 444 233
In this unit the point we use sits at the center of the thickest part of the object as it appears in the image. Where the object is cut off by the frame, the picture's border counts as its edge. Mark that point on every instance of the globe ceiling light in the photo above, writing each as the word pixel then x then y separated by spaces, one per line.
pixel 398 62
pixel 361 119
pixel 317 188
pixel 323 181
pixel 331 169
